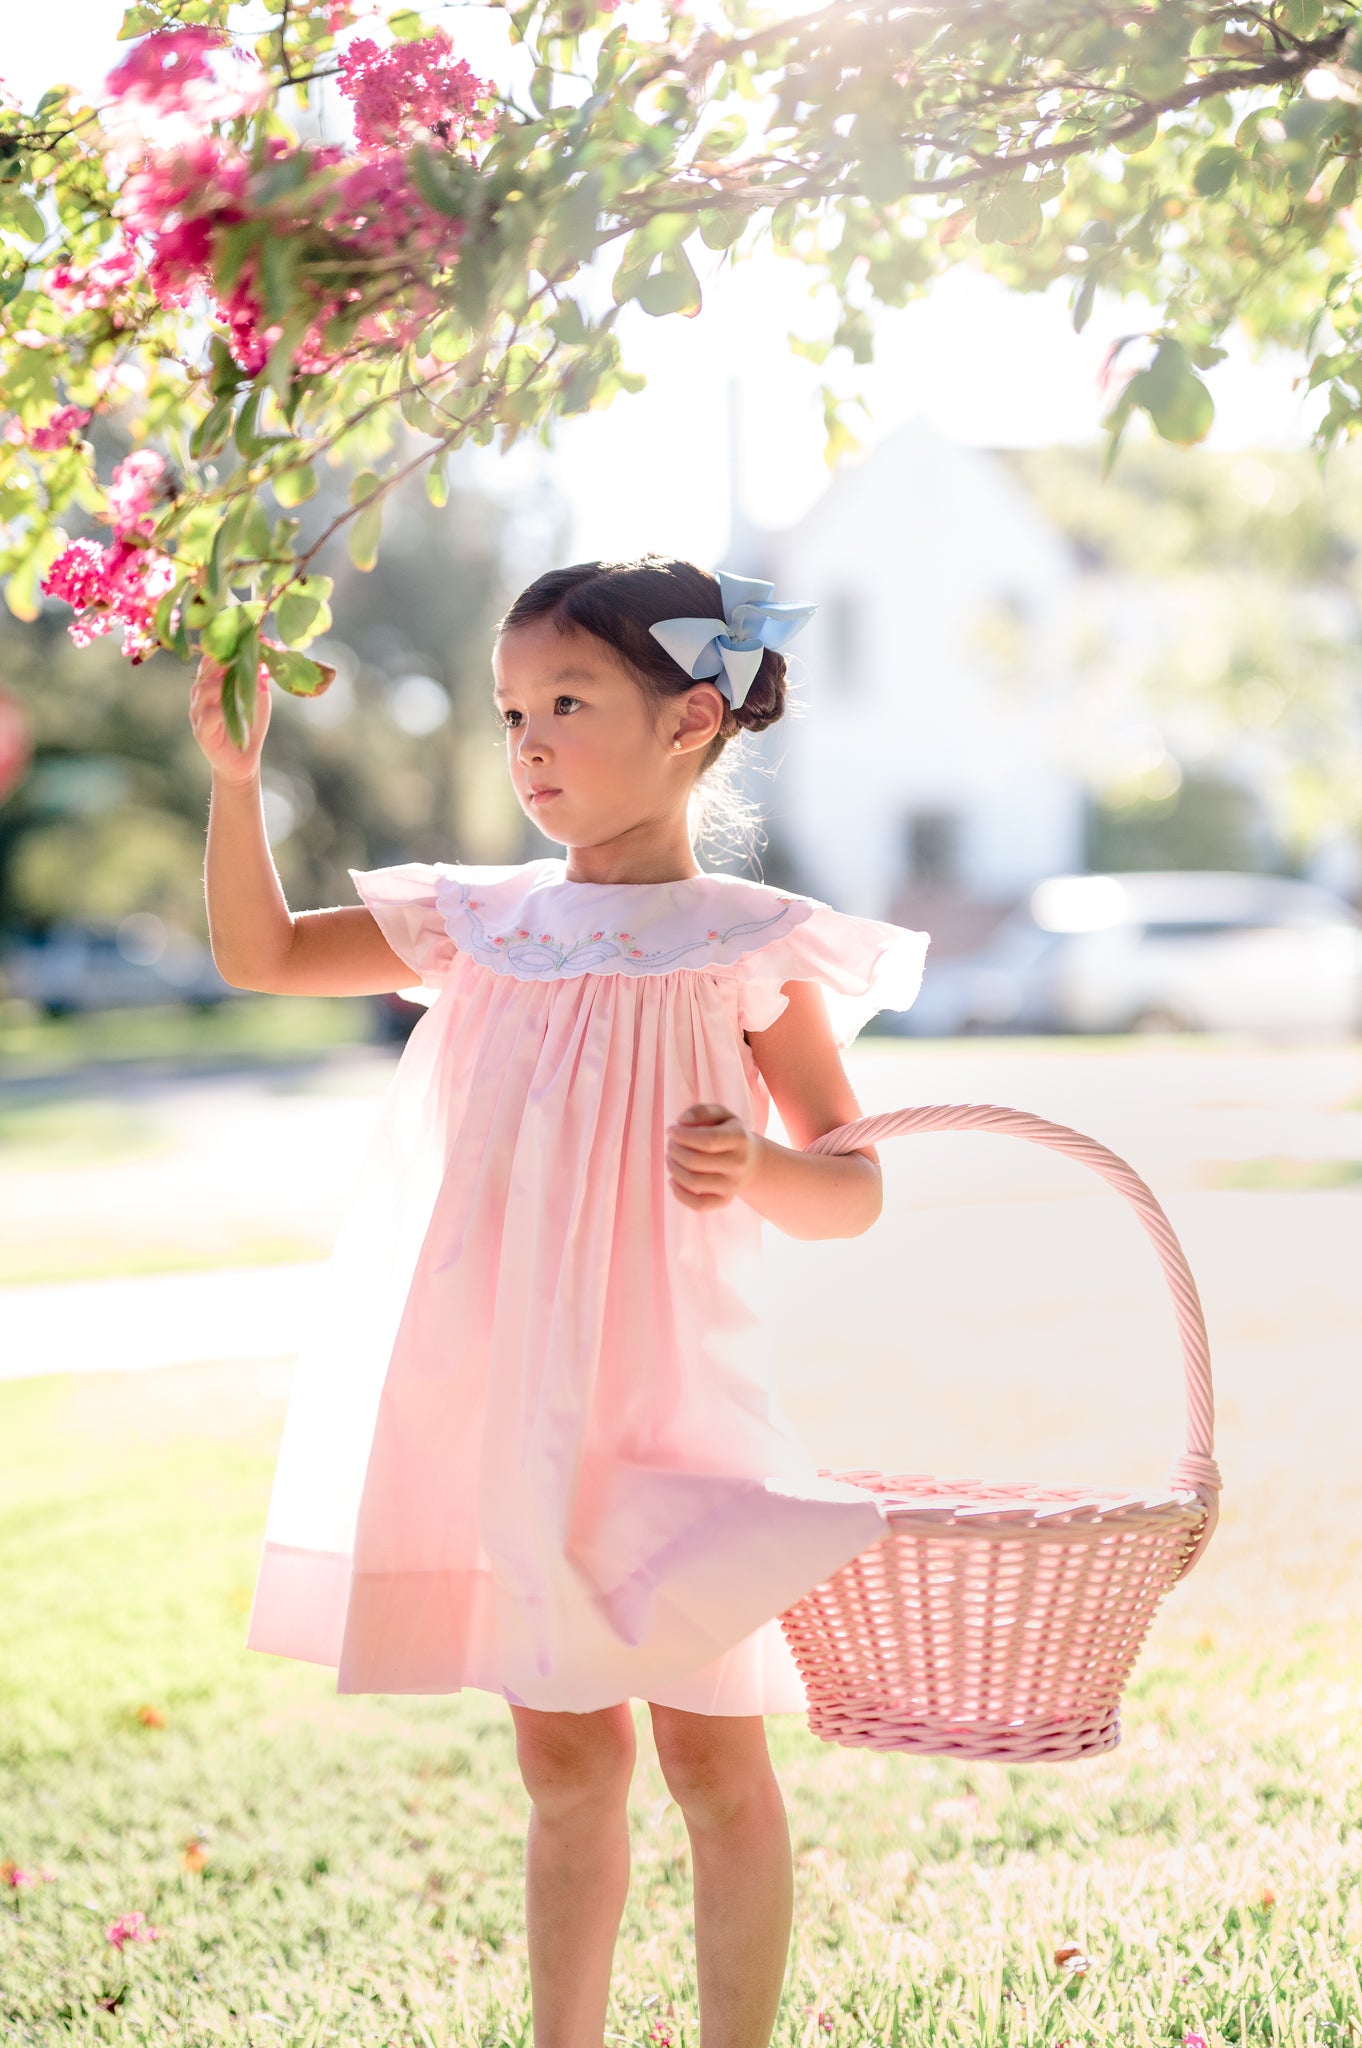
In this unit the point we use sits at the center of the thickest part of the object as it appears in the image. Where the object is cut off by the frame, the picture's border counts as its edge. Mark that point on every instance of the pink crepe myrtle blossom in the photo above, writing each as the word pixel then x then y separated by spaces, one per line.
pixel 118 585
pixel 413 86
pixel 139 480
pixel 130 1927
pixel 93 285
pixel 158 70
pixel 168 89
pixel 59 429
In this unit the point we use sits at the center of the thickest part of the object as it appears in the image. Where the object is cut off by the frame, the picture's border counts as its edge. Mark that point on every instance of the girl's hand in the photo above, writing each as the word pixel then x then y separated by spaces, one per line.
pixel 228 762
pixel 711 1155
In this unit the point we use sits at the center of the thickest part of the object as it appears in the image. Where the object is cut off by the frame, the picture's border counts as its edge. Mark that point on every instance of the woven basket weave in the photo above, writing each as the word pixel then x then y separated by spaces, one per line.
pixel 995 1619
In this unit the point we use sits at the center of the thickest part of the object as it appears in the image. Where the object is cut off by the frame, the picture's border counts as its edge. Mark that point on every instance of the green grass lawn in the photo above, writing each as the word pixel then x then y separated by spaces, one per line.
pixel 325 1869
pixel 252 1027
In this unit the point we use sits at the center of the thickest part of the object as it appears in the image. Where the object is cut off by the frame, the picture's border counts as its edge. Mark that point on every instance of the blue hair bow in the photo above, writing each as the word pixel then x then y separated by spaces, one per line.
pixel 731 648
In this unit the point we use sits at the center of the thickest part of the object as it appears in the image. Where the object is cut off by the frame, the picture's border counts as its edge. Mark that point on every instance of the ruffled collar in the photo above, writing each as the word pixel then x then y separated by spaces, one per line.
pixel 532 922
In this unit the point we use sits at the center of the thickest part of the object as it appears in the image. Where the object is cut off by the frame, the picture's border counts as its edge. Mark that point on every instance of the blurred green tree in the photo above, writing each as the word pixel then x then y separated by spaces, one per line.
pixel 262 304
pixel 402 759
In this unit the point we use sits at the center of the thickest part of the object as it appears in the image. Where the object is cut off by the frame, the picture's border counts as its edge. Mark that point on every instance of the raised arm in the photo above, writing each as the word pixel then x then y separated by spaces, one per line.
pixel 258 942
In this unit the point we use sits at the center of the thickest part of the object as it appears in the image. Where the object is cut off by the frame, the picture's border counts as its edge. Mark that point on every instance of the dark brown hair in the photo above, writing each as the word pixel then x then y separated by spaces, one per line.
pixel 619 601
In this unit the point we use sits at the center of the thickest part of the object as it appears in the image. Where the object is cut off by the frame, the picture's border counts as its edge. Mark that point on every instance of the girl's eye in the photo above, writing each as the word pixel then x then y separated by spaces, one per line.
pixel 508 718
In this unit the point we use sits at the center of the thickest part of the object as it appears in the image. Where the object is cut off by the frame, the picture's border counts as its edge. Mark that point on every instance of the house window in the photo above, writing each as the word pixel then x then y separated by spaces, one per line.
pixel 843 642
pixel 933 846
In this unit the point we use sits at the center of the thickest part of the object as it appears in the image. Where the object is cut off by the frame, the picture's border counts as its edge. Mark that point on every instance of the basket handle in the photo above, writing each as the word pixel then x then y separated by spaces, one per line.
pixel 1196 1470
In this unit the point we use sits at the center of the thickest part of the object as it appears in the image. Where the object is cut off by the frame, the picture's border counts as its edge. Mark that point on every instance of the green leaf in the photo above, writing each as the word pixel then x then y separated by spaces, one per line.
pixel 303 611
pixel 407 25
pixel 245 671
pixel 164 610
pixel 568 324
pixel 437 483
pixel 417 410
pixel 296 618
pixel 210 435
pixel 24 215
pixel 437 182
pixel 1215 171
pixel 541 88
pixel 295 673
pixel 573 227
pixel 21 592
pixel 1012 216
pixel 1087 291
pixel 1344 190
pixel 279 365
pixel 364 485
pixel 784 221
pixel 278 263
pixel 723 138
pixel 364 537
pixel 673 289
pixel 884 171
pixel 216 581
pixel 450 340
pixel 292 486
pixel 231 710
pixel 139 21
pixel 1140 138
pixel 720 227
pixel 231 247
pixel 225 372
pixel 1186 415
pixel 248 437
pixel 657 237
pixel 222 634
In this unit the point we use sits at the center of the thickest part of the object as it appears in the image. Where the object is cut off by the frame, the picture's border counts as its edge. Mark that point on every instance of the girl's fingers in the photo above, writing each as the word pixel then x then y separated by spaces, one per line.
pixel 698 1183
pixel 693 1201
pixel 708 1148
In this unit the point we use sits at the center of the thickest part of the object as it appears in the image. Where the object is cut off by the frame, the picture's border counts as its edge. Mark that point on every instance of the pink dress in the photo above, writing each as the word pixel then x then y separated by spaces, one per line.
pixel 531 1445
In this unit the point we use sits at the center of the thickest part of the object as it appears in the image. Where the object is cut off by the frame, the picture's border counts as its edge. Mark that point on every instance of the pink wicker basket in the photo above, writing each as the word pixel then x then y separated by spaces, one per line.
pixel 997 1619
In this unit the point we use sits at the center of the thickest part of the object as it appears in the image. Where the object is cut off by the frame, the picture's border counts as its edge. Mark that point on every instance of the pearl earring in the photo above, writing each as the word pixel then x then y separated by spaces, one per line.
pixel 675 745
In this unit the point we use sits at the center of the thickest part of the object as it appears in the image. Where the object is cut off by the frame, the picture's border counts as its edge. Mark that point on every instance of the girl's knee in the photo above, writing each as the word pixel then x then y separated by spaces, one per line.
pixel 569 1761
pixel 716 1767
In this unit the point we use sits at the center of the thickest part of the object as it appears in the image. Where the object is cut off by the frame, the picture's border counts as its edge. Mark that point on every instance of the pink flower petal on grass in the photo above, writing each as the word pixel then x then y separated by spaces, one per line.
pixel 130 1927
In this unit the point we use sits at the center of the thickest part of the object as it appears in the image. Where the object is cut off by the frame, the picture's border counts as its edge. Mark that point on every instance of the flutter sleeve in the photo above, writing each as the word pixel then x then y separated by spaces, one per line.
pixel 403 903
pixel 862 965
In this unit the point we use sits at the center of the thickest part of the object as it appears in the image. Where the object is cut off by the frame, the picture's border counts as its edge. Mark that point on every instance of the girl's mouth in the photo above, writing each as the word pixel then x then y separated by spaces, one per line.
pixel 540 796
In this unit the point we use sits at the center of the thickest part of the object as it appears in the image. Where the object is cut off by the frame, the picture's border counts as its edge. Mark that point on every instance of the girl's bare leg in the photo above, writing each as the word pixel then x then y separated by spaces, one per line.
pixel 718 1772
pixel 576 1769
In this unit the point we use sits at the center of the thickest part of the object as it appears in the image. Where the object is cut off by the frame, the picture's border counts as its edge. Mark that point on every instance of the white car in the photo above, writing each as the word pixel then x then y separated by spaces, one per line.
pixel 106 966
pixel 1157 951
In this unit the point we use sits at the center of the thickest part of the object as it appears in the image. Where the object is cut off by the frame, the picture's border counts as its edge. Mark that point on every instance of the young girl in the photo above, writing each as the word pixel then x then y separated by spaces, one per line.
pixel 526 1447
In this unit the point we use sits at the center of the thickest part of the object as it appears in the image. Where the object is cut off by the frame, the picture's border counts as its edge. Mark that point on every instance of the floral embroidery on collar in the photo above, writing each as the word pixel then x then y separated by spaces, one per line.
pixel 541 956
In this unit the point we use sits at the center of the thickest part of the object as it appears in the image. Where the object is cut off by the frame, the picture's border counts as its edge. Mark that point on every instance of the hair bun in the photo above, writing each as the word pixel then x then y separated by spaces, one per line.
pixel 765 699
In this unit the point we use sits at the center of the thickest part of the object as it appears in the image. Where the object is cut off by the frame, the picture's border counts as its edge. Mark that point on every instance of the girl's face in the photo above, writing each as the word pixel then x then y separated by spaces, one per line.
pixel 587 760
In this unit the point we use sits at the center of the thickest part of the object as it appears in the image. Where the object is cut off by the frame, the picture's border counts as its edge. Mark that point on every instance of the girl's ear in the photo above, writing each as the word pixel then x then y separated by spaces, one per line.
pixel 702 714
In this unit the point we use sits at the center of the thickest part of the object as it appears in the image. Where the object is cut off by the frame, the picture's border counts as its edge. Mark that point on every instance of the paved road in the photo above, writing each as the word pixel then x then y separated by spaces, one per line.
pixel 1005 1316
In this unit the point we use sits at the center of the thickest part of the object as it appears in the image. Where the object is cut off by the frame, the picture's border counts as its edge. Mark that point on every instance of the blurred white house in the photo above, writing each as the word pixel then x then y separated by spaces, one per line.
pixel 924 742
